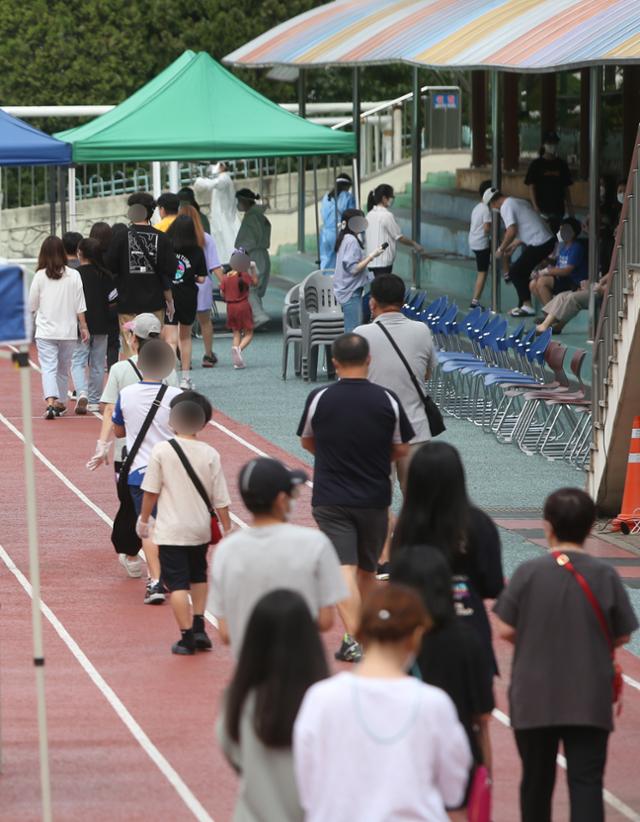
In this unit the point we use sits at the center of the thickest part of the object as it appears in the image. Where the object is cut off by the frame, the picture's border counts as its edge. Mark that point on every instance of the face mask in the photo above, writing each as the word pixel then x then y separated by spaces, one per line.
pixel 620 197
pixel 291 510
pixel 550 148
pixel 391 201
pixel 565 235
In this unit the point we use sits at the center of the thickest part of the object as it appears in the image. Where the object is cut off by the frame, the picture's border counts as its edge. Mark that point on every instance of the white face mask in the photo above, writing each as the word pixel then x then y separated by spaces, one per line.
pixel 559 237
pixel 620 197
pixel 291 510
pixel 550 148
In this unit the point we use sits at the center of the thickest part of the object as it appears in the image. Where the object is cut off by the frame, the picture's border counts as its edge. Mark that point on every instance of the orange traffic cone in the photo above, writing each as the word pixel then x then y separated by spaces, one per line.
pixel 630 514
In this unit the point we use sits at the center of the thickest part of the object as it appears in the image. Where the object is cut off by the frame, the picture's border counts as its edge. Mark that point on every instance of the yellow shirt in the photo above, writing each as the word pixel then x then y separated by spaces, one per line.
pixel 165 222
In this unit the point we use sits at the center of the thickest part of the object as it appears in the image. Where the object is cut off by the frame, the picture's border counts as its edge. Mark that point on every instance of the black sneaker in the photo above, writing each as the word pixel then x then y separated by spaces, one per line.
pixel 202 640
pixel 349 651
pixel 209 361
pixel 183 648
pixel 154 594
pixel 50 413
pixel 382 571
pixel 59 410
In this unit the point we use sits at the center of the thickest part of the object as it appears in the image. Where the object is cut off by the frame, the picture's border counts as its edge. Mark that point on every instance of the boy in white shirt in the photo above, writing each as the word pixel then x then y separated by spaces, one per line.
pixel 182 527
pixel 480 242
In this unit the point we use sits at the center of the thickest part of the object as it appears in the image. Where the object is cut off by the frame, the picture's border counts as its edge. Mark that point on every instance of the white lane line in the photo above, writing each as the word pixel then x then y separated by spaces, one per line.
pixel 610 798
pixel 109 694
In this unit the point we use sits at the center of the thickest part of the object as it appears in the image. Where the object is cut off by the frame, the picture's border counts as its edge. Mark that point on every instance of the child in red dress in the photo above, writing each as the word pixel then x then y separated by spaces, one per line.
pixel 235 287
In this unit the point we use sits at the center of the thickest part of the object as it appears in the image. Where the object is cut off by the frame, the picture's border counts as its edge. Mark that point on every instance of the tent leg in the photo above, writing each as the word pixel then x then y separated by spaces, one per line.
pixel 156 179
pixel 71 194
pixel 496 175
pixel 52 200
pixel 174 176
pixel 595 108
pixel 62 195
pixel 22 361
pixel 357 160
pixel 317 211
pixel 416 170
pixel 302 182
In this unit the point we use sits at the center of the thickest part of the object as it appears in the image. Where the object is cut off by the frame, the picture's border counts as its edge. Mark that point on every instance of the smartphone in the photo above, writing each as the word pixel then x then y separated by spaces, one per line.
pixel 384 245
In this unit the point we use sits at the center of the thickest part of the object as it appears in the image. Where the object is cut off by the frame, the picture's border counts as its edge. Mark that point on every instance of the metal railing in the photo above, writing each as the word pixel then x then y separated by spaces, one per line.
pixel 626 255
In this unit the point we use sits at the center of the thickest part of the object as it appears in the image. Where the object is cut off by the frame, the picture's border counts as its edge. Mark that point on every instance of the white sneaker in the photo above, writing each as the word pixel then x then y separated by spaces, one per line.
pixel 93 406
pixel 132 565
pixel 186 384
pixel 236 357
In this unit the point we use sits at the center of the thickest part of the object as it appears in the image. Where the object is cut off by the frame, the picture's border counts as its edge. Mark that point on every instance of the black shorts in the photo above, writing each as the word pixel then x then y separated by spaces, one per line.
pixel 186 304
pixel 182 565
pixel 357 534
pixel 483 259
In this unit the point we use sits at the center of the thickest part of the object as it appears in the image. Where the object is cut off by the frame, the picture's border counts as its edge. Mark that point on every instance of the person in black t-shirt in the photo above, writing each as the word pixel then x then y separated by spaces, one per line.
pixel 549 181
pixel 191 269
pixel 143 263
pixel 451 655
pixel 356 430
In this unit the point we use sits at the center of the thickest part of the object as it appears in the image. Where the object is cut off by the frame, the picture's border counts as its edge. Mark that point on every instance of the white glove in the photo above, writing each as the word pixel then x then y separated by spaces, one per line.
pixel 102 455
pixel 170 310
pixel 144 529
pixel 543 272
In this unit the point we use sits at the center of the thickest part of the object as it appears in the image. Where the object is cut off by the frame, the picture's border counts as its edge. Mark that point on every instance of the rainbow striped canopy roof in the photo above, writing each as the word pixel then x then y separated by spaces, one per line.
pixel 513 35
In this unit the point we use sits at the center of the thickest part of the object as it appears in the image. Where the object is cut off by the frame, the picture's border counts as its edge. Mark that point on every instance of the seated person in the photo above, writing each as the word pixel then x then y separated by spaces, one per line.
pixel 565 306
pixel 570 268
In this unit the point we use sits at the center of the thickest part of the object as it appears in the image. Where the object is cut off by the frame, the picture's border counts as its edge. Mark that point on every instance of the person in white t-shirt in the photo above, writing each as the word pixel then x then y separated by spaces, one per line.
pixel 156 361
pixel 56 297
pixel 272 554
pixel 377 744
pixel 182 528
pixel 480 242
pixel 383 228
pixel 525 228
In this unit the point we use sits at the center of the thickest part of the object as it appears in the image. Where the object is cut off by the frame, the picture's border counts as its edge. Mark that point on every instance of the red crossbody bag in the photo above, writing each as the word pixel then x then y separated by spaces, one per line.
pixel 617 680
pixel 216 532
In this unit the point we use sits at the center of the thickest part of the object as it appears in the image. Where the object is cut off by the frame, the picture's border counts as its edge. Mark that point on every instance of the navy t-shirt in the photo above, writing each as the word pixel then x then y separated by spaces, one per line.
pixel 354 424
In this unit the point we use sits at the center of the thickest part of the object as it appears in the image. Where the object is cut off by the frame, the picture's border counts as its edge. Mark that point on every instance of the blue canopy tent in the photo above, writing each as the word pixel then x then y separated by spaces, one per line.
pixel 24 145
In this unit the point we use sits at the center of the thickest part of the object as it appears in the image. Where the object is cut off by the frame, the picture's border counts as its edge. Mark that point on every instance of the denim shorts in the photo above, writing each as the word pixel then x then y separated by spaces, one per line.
pixel 136 495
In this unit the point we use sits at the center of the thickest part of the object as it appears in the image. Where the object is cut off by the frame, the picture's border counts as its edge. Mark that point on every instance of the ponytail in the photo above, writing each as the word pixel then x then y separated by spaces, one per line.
pixel 375 196
pixel 371 200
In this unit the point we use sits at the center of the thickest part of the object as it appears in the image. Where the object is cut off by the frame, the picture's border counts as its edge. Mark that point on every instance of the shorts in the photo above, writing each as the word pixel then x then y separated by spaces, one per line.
pixel 182 565
pixel 136 495
pixel 358 534
pixel 205 295
pixel 185 305
pixel 483 259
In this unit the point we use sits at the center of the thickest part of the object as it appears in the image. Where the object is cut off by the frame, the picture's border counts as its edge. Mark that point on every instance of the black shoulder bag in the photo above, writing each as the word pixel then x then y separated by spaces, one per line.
pixel 135 368
pixel 434 417
pixel 216 533
pixel 123 534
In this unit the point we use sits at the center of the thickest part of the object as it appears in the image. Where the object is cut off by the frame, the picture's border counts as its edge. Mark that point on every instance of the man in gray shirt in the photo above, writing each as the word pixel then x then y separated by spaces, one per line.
pixel 386 369
pixel 272 554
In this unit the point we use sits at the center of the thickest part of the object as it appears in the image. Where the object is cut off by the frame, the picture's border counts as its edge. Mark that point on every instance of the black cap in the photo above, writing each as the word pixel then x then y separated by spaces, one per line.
pixel 262 479
pixel 247 194
pixel 551 137
pixel 169 202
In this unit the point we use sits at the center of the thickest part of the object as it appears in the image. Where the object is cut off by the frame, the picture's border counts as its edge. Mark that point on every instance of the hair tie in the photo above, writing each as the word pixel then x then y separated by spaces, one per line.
pixel 384 615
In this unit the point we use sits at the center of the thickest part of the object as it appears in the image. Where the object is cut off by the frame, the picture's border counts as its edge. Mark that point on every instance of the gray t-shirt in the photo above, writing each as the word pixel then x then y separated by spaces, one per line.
pixel 562 672
pixel 416 343
pixel 250 563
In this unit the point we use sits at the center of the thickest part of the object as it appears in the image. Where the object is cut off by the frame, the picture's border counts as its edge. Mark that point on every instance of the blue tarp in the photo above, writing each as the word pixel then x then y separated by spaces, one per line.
pixel 23 145
pixel 15 317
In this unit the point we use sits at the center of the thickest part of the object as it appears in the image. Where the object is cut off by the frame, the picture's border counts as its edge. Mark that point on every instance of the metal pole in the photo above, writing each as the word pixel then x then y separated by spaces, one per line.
pixel 22 361
pixel 174 176
pixel 595 85
pixel 52 200
pixel 496 180
pixel 416 170
pixel 357 161
pixel 71 194
pixel 156 177
pixel 317 211
pixel 62 195
pixel 302 192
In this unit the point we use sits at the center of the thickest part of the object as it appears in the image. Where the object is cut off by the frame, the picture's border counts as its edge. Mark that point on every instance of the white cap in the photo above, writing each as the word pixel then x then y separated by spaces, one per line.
pixel 144 325
pixel 489 194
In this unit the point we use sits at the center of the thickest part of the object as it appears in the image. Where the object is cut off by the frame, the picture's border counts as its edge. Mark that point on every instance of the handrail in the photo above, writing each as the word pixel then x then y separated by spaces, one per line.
pixel 386 104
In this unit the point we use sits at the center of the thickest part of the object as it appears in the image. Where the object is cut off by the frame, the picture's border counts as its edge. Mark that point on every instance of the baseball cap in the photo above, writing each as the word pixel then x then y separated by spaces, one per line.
pixel 144 325
pixel 489 194
pixel 262 479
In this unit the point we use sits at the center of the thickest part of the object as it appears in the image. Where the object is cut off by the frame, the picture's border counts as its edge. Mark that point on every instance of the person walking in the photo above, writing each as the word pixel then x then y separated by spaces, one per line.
pixel 565 612
pixel 480 242
pixel 143 263
pixel 377 744
pixel 223 213
pixel 167 205
pixel 254 235
pixel 527 229
pixel 56 297
pixel 387 367
pixel 332 207
pixel 355 430
pixel 549 181
pixel 103 233
pixel 351 275
pixel 70 240
pixel 271 554
pixel 255 726
pixel 191 270
pixel 383 228
pixel 235 287
pixel 182 528
pixel 437 512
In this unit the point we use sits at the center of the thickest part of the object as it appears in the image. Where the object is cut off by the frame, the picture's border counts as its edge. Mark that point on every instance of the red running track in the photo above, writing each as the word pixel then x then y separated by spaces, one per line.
pixel 131 727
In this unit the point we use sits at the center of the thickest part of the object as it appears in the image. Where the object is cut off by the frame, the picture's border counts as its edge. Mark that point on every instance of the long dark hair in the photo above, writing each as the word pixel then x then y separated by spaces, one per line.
pixel 52 257
pixel 102 232
pixel 91 250
pixel 436 505
pixel 189 210
pixel 346 216
pixel 424 568
pixel 375 196
pixel 281 657
pixel 182 233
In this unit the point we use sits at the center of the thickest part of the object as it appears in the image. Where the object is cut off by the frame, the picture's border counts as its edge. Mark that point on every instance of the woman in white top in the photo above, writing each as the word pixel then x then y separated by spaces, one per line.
pixel 378 744
pixel 383 228
pixel 262 701
pixel 57 299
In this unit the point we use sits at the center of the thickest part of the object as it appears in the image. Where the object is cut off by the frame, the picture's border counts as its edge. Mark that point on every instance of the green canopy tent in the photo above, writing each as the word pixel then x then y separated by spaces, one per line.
pixel 194 110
